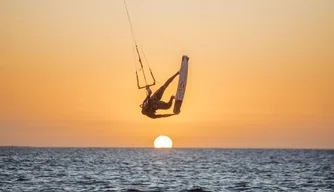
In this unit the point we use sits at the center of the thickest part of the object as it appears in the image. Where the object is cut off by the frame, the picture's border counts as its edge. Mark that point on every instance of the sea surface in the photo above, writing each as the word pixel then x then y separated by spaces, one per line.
pixel 134 169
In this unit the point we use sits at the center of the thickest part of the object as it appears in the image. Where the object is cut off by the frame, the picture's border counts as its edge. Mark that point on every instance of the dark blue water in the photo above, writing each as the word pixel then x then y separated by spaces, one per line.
pixel 113 169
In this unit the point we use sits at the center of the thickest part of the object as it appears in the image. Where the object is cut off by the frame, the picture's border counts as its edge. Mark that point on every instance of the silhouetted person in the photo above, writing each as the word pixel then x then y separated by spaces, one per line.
pixel 153 103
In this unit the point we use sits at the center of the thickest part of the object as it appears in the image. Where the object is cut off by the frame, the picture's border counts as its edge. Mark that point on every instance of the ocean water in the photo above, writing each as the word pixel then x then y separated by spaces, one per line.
pixel 132 169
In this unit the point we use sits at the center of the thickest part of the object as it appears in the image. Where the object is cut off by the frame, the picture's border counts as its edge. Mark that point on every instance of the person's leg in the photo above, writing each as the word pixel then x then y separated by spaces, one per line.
pixel 171 79
pixel 158 93
pixel 164 105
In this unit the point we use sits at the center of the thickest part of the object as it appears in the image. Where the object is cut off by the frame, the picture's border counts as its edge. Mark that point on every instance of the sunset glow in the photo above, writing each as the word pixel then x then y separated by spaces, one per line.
pixel 261 73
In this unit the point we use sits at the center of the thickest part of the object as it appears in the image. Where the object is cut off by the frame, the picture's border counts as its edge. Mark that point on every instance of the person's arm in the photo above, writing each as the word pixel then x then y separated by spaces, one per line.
pixel 149 92
pixel 155 116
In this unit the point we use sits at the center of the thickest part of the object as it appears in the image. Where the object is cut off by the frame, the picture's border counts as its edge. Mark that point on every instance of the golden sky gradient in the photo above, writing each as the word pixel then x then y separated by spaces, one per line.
pixel 261 72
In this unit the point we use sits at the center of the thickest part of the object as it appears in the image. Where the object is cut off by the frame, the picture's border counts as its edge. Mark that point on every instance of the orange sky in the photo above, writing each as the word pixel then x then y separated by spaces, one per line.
pixel 261 73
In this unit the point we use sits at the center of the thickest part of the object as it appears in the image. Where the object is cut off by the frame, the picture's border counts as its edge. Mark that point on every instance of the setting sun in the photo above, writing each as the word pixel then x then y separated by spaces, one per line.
pixel 163 142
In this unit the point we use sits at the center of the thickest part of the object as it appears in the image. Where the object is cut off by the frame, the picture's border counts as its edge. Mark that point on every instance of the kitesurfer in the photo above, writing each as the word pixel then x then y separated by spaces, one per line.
pixel 153 103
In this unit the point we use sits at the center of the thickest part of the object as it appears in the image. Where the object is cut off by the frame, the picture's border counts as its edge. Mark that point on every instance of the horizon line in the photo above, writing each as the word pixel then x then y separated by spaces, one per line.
pixel 96 147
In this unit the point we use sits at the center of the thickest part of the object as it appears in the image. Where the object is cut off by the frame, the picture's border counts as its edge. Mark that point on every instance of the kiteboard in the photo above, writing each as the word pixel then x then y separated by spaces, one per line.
pixel 181 88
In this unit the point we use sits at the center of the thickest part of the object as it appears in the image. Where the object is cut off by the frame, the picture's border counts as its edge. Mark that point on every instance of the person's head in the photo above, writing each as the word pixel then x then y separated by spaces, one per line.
pixel 144 109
